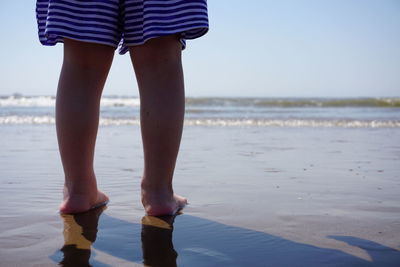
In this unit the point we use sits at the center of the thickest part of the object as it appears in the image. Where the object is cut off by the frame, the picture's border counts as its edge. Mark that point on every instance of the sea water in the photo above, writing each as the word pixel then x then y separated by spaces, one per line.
pixel 225 111
pixel 322 193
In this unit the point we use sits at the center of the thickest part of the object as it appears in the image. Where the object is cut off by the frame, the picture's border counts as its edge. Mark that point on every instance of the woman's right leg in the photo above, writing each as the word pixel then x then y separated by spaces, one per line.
pixel 84 72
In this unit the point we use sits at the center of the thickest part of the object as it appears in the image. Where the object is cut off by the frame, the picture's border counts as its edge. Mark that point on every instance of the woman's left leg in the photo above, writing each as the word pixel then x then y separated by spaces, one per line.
pixel 159 74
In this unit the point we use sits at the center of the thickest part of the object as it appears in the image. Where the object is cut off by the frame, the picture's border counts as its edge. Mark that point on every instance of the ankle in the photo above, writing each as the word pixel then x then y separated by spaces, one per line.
pixel 81 186
pixel 156 187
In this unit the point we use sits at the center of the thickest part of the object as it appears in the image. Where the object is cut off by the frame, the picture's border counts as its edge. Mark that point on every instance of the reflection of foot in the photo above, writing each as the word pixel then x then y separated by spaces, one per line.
pixel 162 222
pixel 162 202
pixel 76 202
pixel 158 249
pixel 80 231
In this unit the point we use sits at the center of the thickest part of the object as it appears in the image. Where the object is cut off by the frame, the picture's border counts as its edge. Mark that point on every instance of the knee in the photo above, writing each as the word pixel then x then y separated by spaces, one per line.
pixel 87 56
pixel 157 50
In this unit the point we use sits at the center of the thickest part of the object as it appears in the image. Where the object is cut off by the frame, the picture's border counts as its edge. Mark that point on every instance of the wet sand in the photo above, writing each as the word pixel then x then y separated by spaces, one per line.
pixel 259 196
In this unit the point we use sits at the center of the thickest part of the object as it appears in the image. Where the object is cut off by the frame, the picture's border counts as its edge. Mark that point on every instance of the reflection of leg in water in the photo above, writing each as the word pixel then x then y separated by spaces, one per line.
pixel 158 249
pixel 80 231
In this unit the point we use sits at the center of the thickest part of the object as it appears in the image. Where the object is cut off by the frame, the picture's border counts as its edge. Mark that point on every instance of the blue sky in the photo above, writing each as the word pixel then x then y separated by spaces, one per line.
pixel 281 48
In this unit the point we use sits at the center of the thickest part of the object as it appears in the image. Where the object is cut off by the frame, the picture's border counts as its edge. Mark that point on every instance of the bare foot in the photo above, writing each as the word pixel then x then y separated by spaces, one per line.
pixel 76 202
pixel 162 202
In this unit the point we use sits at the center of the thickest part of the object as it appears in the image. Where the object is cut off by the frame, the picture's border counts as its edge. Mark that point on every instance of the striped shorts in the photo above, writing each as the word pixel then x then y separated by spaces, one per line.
pixel 120 23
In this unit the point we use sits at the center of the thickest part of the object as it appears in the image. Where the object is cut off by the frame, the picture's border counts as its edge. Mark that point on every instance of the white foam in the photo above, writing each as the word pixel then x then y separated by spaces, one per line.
pixel 27 120
pixel 221 122
pixel 22 101
pixel 50 101
pixel 294 123
pixel 114 102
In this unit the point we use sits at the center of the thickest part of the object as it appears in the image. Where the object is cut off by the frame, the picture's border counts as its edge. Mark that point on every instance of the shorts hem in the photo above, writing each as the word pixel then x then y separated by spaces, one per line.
pixel 52 40
pixel 183 36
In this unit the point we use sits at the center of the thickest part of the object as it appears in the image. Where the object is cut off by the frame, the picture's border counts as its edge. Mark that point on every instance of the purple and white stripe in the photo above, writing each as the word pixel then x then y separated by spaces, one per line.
pixel 120 22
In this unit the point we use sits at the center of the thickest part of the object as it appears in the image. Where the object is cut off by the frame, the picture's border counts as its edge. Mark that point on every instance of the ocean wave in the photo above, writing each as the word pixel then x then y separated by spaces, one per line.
pixel 393 102
pixel 223 102
pixel 27 101
pixel 42 120
pixel 50 101
pixel 120 102
pixel 27 120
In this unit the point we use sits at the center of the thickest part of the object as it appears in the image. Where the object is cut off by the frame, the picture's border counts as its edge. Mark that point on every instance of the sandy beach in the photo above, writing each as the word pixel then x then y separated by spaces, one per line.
pixel 259 196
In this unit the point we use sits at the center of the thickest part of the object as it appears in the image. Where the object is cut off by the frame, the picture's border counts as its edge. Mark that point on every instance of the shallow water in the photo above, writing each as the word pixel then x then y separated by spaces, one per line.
pixel 261 112
pixel 258 197
pixel 192 241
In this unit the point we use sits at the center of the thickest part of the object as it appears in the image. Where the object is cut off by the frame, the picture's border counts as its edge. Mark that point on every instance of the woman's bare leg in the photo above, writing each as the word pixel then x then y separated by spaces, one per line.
pixel 84 72
pixel 159 74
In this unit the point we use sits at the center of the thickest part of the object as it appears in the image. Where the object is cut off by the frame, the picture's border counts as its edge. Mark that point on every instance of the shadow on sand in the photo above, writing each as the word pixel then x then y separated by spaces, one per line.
pixel 192 241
